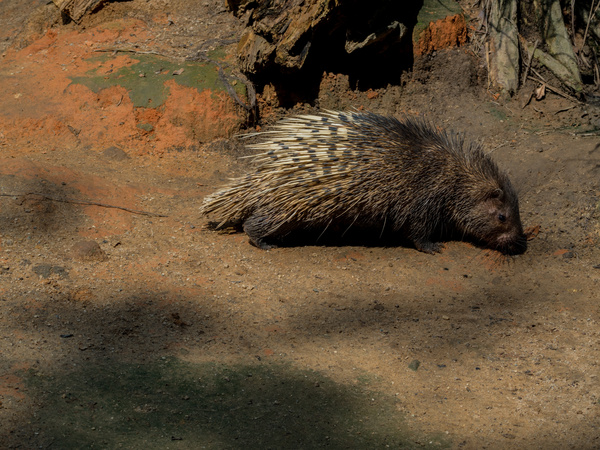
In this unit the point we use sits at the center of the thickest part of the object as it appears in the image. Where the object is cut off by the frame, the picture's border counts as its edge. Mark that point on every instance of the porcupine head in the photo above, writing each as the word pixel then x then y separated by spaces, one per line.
pixel 446 187
pixel 487 209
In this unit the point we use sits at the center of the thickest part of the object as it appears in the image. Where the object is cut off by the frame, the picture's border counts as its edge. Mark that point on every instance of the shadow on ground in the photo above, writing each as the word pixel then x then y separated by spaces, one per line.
pixel 172 404
pixel 87 386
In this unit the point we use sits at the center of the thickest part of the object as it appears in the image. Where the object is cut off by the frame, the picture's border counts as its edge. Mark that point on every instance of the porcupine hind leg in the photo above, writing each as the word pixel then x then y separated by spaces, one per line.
pixel 258 227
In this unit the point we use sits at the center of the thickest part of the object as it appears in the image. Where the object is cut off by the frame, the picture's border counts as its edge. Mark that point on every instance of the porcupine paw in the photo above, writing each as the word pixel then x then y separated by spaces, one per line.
pixel 261 243
pixel 429 247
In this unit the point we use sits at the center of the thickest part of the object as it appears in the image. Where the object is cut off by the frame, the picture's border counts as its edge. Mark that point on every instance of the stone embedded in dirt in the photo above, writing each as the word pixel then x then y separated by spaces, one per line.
pixel 81 295
pixel 115 153
pixel 45 270
pixel 88 251
pixel 177 320
pixel 414 364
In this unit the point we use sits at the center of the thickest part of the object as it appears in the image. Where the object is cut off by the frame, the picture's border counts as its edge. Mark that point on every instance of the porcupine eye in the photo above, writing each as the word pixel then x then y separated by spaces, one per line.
pixel 501 217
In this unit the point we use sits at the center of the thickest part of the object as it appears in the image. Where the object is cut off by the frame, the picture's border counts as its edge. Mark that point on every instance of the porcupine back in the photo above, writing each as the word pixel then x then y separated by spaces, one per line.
pixel 354 168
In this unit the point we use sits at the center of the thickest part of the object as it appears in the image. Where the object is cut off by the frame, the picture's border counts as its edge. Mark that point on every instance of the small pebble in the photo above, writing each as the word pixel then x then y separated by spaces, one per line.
pixel 414 364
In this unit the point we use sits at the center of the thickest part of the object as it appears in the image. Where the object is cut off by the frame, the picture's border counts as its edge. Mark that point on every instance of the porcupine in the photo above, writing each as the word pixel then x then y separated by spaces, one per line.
pixel 360 168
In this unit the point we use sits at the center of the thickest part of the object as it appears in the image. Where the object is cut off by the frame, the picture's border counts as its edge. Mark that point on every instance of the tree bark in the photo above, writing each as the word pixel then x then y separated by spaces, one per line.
pixel 503 44
pixel 554 33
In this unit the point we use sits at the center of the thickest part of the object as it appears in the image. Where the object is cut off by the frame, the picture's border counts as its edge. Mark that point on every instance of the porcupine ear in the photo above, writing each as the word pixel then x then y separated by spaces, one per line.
pixel 496 193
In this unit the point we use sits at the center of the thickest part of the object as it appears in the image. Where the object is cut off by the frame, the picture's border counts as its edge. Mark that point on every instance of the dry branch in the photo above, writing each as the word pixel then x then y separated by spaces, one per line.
pixel 84 202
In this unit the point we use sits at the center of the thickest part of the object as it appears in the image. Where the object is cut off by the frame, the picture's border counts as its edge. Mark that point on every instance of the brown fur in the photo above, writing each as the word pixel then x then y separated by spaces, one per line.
pixel 354 168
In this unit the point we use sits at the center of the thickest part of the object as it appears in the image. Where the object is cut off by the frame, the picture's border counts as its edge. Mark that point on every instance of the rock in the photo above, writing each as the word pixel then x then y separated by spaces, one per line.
pixel 414 365
pixel 115 153
pixel 88 251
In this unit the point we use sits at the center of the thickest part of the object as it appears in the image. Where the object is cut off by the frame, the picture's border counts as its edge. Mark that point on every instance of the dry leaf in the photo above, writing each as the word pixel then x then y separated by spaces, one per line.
pixel 532 232
pixel 540 92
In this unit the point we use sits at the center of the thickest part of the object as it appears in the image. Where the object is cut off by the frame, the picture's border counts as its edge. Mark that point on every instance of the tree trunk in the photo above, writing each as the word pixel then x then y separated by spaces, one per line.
pixel 503 44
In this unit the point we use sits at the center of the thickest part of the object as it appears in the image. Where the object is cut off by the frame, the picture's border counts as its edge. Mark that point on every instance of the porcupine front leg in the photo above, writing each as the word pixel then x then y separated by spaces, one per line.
pixel 421 236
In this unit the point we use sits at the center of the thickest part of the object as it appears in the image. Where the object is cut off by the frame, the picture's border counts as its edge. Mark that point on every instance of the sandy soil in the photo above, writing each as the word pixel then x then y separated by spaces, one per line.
pixel 136 327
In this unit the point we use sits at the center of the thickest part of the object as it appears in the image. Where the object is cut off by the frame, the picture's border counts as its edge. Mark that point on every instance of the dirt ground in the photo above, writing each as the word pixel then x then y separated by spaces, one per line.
pixel 136 327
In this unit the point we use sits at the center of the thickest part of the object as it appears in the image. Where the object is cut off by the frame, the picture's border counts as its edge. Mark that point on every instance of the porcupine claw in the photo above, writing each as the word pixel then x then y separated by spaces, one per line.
pixel 261 243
